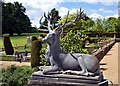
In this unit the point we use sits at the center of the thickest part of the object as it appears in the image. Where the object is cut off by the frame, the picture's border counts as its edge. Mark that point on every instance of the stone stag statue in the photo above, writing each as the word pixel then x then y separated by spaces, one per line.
pixel 73 63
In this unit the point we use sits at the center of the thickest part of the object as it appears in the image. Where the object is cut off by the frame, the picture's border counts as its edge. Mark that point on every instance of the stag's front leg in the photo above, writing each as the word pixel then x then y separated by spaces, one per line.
pixel 52 70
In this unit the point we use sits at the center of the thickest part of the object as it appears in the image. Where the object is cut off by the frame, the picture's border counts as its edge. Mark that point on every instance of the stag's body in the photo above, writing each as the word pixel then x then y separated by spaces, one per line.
pixel 62 61
pixel 76 63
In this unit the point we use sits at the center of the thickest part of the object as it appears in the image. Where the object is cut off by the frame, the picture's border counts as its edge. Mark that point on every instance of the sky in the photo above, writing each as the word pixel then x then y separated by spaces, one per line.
pixel 93 8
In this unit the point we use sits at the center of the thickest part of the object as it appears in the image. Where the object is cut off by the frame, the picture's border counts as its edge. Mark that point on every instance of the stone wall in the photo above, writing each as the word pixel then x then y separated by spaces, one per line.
pixel 100 53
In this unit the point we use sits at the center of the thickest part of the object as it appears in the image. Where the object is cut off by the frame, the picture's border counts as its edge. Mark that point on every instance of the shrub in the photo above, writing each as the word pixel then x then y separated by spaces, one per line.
pixel 35 53
pixel 16 76
pixel 42 55
pixel 73 42
pixel 33 38
pixel 43 35
pixel 8 45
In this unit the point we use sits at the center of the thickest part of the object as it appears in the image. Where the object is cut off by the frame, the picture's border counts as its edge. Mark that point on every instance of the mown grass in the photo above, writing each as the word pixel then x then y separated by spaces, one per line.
pixel 18 40
pixel 6 58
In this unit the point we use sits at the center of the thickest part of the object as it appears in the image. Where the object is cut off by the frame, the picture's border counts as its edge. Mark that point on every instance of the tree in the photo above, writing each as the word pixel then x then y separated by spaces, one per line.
pixel 81 24
pixel 98 26
pixel 54 15
pixel 111 24
pixel 14 19
pixel 118 26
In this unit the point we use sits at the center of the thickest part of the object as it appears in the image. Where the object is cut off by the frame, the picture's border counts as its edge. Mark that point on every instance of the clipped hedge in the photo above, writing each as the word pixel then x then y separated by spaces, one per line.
pixel 33 38
pixel 35 53
pixel 8 45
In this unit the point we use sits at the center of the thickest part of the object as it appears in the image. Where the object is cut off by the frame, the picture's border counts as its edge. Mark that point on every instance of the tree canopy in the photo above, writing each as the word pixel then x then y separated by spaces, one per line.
pixel 54 15
pixel 14 19
pixel 81 24
pixel 108 25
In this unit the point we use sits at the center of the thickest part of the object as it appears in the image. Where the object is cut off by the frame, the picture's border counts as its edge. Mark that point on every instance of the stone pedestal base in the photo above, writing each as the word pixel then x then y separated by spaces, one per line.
pixel 39 79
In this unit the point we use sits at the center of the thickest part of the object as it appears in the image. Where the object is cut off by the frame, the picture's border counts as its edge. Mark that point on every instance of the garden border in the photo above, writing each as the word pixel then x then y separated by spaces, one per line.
pixel 100 53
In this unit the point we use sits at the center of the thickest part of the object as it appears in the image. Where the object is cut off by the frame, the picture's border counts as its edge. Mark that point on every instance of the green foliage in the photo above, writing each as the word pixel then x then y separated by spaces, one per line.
pixel 81 24
pixel 111 24
pixel 98 26
pixel 14 19
pixel 118 26
pixel 71 17
pixel 18 40
pixel 35 53
pixel 105 26
pixel 54 15
pixel 16 76
pixel 8 45
pixel 42 35
pixel 42 55
pixel 6 58
pixel 73 42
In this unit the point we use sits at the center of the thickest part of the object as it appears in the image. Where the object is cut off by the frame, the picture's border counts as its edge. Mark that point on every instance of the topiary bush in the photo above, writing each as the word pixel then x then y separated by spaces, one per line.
pixel 8 45
pixel 16 76
pixel 35 53
pixel 33 38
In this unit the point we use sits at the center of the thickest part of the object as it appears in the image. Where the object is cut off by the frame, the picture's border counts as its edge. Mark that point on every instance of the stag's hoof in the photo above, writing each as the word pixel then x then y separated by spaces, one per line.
pixel 91 74
pixel 66 72
pixel 88 74
pixel 44 72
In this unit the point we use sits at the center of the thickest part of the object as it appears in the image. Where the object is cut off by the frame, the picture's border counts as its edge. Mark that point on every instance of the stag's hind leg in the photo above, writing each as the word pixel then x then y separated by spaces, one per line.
pixel 52 70
pixel 83 67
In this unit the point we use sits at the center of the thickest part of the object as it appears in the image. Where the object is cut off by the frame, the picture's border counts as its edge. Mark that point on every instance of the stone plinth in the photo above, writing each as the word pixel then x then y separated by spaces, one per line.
pixel 39 79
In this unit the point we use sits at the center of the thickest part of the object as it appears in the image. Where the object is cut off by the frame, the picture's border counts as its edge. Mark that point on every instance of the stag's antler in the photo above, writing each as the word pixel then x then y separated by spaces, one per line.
pixel 48 20
pixel 79 16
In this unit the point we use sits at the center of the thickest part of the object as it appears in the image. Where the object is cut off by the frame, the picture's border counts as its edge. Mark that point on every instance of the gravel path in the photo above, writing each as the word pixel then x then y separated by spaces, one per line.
pixel 5 64
pixel 109 64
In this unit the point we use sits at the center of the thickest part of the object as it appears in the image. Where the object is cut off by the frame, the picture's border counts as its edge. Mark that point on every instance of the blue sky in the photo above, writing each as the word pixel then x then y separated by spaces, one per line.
pixel 93 8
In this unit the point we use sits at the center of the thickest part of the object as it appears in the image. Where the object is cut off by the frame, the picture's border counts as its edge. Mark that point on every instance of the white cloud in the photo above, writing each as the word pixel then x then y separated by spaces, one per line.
pixel 101 9
pixel 63 11
pixel 94 16
pixel 116 16
pixel 105 10
pixel 73 11
pixel 35 8
pixel 104 2
pixel 91 1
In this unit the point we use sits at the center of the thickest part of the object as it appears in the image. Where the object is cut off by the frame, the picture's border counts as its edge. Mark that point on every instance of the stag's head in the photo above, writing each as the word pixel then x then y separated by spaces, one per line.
pixel 53 35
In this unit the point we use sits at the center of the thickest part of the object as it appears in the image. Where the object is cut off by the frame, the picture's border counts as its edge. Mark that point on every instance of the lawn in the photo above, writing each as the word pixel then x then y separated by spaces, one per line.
pixel 18 40
pixel 6 58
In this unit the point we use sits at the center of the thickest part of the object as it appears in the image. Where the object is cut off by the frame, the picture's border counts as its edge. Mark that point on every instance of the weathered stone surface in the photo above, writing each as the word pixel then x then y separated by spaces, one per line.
pixel 39 79
pixel 100 53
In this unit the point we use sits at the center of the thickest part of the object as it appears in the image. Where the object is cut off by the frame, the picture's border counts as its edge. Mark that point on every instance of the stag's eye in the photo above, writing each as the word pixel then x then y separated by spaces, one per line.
pixel 53 34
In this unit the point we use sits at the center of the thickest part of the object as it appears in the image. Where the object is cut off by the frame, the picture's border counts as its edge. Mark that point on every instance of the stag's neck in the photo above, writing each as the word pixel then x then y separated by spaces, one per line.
pixel 55 49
